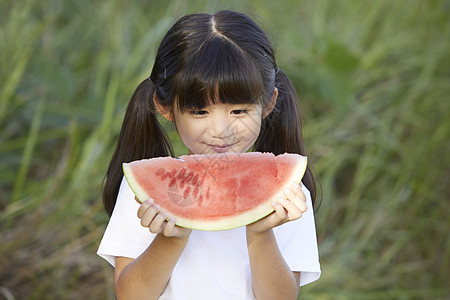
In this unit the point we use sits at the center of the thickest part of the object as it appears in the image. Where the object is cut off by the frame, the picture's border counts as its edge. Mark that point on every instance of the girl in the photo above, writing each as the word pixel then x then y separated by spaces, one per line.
pixel 216 78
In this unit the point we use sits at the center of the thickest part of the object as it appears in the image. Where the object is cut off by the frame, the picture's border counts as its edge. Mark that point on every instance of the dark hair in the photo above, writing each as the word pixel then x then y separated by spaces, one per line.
pixel 226 58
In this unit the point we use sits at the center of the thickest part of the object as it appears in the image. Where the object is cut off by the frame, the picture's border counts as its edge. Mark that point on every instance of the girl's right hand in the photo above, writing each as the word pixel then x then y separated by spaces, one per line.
pixel 159 221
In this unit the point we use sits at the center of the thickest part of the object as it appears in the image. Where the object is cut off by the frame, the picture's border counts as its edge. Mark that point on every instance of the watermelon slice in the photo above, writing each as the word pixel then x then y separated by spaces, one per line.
pixel 215 191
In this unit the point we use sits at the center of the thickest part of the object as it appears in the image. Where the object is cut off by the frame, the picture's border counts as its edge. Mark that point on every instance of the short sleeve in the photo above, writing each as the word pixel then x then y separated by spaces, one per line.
pixel 297 241
pixel 124 235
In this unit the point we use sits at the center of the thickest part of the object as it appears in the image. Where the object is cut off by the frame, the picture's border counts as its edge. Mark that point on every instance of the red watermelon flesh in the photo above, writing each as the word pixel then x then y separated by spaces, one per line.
pixel 215 191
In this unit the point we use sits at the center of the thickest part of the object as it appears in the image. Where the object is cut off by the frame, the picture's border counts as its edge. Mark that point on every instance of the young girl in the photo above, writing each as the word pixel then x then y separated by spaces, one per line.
pixel 216 78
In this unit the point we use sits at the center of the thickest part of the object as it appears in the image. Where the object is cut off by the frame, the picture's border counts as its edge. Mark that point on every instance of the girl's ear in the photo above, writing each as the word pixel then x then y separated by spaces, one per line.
pixel 164 111
pixel 269 109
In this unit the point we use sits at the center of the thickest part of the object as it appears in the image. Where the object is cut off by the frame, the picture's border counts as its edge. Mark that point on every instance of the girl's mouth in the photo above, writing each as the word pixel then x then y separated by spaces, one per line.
pixel 220 148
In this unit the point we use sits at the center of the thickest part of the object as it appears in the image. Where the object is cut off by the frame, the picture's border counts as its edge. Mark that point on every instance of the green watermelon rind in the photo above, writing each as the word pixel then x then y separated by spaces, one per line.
pixel 227 222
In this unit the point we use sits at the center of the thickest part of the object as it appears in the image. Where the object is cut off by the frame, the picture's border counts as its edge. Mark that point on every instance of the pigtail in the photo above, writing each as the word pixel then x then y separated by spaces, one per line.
pixel 141 137
pixel 281 130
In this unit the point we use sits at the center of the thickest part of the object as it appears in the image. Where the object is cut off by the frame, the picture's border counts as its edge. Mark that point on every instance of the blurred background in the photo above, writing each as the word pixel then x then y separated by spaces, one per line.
pixel 373 80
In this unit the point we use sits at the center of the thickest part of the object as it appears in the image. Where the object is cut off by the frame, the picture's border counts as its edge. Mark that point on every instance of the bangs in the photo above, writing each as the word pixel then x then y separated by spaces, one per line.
pixel 218 72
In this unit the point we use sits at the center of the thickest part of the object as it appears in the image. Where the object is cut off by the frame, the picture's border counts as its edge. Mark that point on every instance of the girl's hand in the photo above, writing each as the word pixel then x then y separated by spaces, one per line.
pixel 159 221
pixel 287 208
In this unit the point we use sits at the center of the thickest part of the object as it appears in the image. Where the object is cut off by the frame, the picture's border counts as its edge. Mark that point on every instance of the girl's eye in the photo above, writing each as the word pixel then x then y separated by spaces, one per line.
pixel 198 112
pixel 239 111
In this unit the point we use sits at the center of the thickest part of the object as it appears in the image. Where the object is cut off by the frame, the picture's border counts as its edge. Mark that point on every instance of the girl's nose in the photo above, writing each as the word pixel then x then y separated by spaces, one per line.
pixel 222 127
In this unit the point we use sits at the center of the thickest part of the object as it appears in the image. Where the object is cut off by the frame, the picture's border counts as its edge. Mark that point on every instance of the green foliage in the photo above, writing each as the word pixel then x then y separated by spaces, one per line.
pixel 373 78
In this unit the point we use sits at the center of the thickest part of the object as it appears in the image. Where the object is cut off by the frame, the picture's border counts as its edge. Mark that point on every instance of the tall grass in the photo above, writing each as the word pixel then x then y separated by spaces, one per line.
pixel 373 77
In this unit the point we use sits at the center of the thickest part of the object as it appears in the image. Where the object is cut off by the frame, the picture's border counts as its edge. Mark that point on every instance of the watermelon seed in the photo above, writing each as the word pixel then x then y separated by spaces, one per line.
pixel 207 193
pixel 160 172
pixel 189 177
pixel 194 180
pixel 173 181
pixel 196 190
pixel 187 190
pixel 181 174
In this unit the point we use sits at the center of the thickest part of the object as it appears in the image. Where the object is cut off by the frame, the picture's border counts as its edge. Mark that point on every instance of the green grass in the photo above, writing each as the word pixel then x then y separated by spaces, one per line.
pixel 373 77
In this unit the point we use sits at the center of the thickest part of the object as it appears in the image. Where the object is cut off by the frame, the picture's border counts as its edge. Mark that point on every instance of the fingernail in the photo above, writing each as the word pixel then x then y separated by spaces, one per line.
pixel 149 201
pixel 294 184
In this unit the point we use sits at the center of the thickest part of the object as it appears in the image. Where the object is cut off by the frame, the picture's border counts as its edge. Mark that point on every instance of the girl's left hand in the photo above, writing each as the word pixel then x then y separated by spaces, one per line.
pixel 287 208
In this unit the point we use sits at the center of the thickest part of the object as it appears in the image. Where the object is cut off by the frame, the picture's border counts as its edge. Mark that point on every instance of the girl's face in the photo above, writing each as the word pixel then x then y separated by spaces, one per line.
pixel 219 128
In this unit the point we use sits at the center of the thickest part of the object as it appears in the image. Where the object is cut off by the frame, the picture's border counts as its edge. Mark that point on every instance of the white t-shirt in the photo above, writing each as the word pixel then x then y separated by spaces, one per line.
pixel 214 264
